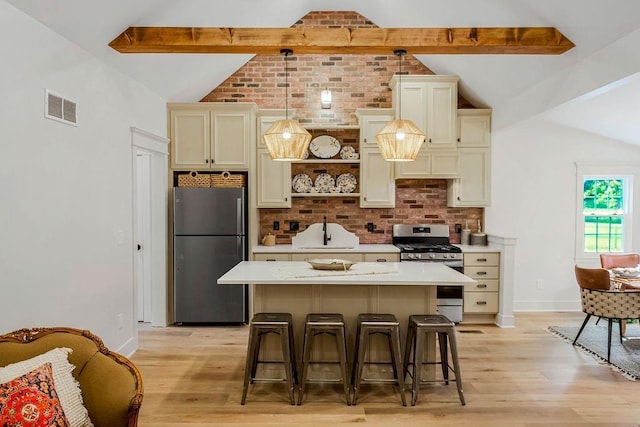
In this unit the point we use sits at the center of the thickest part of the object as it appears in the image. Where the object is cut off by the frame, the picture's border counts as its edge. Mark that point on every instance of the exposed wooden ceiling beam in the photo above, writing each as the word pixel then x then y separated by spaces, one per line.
pixel 304 40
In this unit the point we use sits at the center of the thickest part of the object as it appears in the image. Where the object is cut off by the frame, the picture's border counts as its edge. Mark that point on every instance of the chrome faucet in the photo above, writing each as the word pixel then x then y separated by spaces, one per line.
pixel 325 238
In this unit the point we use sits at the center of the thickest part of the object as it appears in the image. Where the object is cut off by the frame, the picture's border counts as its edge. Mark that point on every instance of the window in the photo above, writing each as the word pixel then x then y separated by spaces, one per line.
pixel 603 209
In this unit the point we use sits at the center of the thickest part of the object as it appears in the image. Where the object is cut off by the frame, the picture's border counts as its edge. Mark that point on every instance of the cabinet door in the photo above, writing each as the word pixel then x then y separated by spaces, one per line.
pixel 445 164
pixel 190 139
pixel 274 181
pixel 442 102
pixel 473 188
pixel 418 169
pixel 370 126
pixel 377 185
pixel 230 134
pixel 474 128
pixel 413 104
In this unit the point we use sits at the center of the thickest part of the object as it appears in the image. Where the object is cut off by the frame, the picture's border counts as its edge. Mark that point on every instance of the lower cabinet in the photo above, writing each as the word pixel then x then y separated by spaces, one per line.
pixel 382 257
pixel 271 257
pixel 484 297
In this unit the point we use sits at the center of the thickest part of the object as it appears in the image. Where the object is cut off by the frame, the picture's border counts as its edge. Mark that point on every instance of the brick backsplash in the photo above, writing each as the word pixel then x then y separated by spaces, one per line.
pixel 356 81
pixel 417 201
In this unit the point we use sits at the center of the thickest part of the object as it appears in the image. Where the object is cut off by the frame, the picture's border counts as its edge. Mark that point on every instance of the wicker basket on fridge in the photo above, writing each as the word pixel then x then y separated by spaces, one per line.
pixel 227 179
pixel 194 179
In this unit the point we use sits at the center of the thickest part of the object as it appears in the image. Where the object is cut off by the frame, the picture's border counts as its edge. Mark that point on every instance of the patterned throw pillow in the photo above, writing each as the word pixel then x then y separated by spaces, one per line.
pixel 66 386
pixel 31 400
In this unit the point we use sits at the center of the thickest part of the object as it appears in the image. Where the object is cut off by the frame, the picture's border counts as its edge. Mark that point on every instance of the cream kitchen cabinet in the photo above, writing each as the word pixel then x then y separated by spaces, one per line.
pixel 272 257
pixel 355 257
pixel 382 257
pixel 274 177
pixel 377 184
pixel 211 135
pixel 430 102
pixel 484 297
pixel 430 164
pixel 473 187
pixel 474 128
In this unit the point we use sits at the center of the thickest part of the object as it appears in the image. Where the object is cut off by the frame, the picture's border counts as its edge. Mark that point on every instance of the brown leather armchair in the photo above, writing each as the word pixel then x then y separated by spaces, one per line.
pixel 599 300
pixel 111 384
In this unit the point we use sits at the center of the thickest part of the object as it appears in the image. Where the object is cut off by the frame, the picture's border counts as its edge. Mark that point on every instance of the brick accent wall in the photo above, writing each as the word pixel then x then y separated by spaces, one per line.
pixel 356 81
pixel 417 201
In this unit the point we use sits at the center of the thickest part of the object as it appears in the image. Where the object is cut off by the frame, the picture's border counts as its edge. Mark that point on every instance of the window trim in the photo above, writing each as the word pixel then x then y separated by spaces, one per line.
pixel 584 171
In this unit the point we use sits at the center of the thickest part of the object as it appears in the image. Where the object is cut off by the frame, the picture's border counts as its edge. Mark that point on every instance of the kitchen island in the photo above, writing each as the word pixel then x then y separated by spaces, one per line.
pixel 368 287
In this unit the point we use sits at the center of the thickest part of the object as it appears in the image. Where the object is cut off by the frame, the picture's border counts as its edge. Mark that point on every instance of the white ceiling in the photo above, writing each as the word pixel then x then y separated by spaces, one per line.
pixel 591 87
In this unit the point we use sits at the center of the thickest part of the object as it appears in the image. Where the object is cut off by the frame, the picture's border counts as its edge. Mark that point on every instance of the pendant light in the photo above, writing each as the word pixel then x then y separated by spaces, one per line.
pixel 400 140
pixel 286 140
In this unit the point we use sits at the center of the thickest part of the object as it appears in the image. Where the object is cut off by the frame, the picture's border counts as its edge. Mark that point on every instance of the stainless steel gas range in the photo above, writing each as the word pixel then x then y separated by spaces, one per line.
pixel 430 243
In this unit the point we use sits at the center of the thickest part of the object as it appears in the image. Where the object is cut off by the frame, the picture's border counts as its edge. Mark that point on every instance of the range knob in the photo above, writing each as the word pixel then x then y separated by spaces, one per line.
pixel 432 256
pixel 445 256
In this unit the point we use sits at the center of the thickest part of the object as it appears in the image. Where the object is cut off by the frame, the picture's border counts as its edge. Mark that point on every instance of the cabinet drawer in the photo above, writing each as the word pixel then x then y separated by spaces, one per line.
pixel 480 302
pixel 271 257
pixel 481 259
pixel 381 257
pixel 347 256
pixel 484 285
pixel 488 272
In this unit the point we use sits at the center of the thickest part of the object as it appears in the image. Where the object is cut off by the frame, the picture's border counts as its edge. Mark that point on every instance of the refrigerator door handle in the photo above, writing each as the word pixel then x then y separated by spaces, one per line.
pixel 240 247
pixel 239 217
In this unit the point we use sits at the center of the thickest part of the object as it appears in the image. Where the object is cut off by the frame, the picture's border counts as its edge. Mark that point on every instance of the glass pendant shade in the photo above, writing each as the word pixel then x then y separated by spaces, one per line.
pixel 400 141
pixel 287 140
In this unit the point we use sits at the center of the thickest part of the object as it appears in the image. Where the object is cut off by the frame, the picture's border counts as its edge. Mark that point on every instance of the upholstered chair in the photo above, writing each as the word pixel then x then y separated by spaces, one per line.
pixel 599 300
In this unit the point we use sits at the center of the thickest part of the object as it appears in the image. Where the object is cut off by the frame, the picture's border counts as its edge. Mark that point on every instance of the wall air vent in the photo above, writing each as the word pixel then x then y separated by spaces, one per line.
pixel 60 109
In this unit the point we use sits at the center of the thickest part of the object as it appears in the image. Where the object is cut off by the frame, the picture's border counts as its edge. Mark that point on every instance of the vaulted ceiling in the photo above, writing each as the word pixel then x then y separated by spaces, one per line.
pixel 575 88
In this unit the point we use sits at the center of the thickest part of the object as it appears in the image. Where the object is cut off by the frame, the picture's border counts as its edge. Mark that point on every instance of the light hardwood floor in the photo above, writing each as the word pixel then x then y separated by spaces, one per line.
pixel 520 377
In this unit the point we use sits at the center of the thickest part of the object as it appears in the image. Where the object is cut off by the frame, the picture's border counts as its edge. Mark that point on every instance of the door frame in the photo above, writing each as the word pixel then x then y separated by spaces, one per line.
pixel 158 149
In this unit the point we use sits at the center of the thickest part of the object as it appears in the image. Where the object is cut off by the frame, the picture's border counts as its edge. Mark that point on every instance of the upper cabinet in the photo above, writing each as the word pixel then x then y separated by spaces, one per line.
pixel 211 135
pixel 430 102
pixel 274 177
pixel 473 187
pixel 377 184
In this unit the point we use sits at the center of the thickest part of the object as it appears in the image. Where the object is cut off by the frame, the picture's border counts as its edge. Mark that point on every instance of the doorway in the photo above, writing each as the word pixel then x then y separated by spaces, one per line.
pixel 150 224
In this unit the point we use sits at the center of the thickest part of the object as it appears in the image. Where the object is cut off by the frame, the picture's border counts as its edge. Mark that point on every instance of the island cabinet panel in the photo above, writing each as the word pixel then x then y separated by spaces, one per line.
pixel 483 298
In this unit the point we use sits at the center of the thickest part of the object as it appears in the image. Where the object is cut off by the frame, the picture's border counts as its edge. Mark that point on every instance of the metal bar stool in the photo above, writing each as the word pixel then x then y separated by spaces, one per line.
pixel 282 325
pixel 318 324
pixel 419 326
pixel 368 324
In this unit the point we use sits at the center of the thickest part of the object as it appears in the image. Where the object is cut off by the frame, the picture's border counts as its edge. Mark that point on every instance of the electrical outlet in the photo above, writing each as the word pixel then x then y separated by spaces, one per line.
pixel 458 228
pixel 294 225
pixel 539 284
pixel 120 320
pixel 370 227
pixel 276 225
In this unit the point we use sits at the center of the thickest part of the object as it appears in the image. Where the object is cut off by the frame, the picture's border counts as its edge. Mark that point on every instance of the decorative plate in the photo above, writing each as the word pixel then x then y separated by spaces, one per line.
pixel 347 152
pixel 301 183
pixel 324 146
pixel 346 183
pixel 330 264
pixel 324 183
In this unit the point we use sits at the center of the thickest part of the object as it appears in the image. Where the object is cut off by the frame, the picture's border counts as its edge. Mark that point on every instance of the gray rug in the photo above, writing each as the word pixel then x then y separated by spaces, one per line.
pixel 625 356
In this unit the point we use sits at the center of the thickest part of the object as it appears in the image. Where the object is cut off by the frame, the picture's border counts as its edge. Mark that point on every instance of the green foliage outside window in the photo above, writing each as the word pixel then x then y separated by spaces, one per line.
pixel 603 204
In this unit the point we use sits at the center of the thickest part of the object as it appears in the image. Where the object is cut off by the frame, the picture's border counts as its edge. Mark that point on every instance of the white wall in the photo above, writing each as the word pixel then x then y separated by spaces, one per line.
pixel 66 199
pixel 534 200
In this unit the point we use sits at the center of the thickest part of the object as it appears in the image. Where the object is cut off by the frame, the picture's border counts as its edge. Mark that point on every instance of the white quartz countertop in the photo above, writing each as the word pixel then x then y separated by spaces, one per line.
pixel 367 249
pixel 388 273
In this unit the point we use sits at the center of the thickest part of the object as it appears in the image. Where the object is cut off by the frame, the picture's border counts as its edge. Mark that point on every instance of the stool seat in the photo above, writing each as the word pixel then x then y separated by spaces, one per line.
pixel 420 325
pixel 375 323
pixel 280 324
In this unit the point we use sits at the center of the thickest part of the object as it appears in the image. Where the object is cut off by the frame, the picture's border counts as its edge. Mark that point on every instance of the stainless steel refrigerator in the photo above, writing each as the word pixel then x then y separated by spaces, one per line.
pixel 208 240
